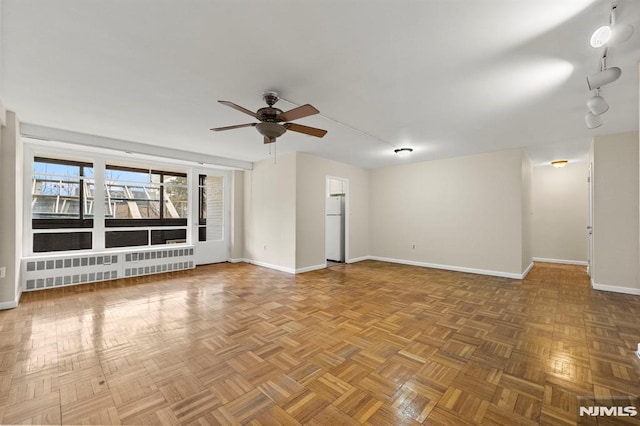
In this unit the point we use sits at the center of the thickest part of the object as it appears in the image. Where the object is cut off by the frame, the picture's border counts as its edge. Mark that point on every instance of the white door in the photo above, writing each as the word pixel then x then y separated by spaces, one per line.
pixel 213 216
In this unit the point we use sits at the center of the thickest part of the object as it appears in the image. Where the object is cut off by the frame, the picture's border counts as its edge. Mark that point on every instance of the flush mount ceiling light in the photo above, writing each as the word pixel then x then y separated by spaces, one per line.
pixel 559 163
pixel 403 152
pixel 597 105
pixel 592 120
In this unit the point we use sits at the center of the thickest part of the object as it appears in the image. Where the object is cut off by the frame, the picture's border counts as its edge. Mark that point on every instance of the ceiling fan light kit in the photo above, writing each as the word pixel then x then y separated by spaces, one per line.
pixel 604 36
pixel 273 121
pixel 403 152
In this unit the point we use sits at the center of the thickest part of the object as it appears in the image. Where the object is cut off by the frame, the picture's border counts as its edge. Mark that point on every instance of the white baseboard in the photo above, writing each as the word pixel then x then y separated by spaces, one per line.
pixel 526 271
pixel 358 259
pixel 271 266
pixel 278 267
pixel 310 268
pixel 615 289
pixel 562 261
pixel 13 304
pixel 450 268
pixel 8 305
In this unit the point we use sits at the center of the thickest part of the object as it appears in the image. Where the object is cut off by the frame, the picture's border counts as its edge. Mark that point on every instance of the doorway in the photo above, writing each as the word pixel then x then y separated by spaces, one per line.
pixel 212 232
pixel 336 220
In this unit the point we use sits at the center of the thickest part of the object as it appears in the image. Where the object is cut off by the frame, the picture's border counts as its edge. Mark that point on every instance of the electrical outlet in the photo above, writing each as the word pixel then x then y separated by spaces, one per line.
pixel 3 272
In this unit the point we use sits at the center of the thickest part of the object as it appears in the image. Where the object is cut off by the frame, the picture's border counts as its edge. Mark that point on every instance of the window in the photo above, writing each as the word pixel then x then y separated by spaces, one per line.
pixel 141 206
pixel 61 198
pixel 147 199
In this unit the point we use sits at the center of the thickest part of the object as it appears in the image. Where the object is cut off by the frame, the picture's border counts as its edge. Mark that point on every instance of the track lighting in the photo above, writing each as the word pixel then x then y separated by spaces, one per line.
pixel 592 120
pixel 605 36
pixel 597 105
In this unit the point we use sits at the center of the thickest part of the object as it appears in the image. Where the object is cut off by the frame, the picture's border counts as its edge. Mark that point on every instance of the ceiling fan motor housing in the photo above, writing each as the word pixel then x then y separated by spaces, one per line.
pixel 268 114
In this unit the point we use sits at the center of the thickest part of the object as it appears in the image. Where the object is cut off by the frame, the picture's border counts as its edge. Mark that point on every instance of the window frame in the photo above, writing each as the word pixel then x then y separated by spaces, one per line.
pixel 147 222
pixel 59 223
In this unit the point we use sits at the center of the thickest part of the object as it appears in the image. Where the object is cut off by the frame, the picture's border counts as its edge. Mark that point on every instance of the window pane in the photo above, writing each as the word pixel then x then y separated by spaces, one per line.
pixel 89 198
pixel 126 238
pixel 55 197
pixel 176 197
pixel 58 189
pixel 215 208
pixel 61 241
pixel 47 169
pixel 132 201
pixel 168 236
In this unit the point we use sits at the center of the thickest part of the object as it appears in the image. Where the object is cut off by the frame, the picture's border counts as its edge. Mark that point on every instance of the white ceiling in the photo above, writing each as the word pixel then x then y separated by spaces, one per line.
pixel 446 78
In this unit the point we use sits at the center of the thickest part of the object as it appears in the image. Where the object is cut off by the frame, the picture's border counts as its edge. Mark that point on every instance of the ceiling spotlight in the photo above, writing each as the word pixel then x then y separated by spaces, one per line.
pixel 403 152
pixel 604 77
pixel 559 163
pixel 619 32
pixel 597 105
pixel 612 34
pixel 592 120
pixel 601 36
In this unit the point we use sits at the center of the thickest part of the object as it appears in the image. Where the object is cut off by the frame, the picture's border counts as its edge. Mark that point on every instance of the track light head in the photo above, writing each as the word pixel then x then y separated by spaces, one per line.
pixel 597 105
pixel 603 78
pixel 601 36
pixel 592 120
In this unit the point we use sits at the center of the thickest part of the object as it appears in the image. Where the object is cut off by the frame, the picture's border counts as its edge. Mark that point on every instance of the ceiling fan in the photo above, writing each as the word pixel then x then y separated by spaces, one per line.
pixel 273 121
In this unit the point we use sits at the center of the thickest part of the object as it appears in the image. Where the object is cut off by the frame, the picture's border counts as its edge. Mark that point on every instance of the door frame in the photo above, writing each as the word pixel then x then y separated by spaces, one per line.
pixel 346 216
pixel 208 252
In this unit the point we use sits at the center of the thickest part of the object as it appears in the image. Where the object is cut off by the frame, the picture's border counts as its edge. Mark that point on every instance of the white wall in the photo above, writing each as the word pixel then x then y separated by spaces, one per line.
pixel 270 213
pixel 527 212
pixel 560 212
pixel 463 213
pixel 237 214
pixel 11 171
pixel 615 215
pixel 311 174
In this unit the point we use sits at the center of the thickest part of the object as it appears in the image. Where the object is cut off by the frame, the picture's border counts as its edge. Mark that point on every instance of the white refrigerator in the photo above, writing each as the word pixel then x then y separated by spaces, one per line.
pixel 334 233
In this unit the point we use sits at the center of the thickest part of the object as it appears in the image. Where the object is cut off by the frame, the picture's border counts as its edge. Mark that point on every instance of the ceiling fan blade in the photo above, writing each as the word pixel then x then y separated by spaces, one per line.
pixel 239 108
pixel 300 112
pixel 237 126
pixel 313 131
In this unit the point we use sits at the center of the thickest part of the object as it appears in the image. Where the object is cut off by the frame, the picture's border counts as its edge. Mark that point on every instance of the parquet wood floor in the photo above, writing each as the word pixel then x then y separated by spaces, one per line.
pixel 368 343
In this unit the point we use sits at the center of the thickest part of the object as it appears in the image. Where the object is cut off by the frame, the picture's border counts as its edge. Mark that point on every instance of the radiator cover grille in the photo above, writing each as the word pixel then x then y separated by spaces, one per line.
pixel 62 270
